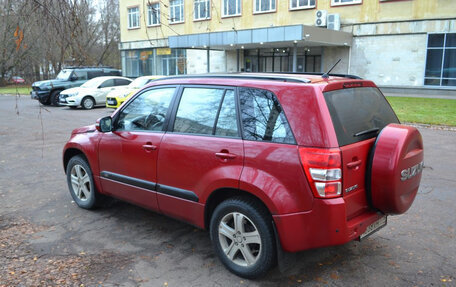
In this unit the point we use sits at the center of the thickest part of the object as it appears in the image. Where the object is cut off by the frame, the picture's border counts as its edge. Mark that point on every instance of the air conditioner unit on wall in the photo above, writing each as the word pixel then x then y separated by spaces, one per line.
pixel 320 18
pixel 333 21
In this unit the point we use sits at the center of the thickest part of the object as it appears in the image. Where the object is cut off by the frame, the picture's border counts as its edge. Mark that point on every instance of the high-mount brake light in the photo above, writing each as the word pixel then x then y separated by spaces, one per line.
pixel 323 168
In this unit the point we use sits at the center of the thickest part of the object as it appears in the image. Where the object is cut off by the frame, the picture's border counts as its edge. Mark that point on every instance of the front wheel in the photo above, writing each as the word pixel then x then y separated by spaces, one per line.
pixel 80 183
pixel 243 238
pixel 55 98
pixel 87 103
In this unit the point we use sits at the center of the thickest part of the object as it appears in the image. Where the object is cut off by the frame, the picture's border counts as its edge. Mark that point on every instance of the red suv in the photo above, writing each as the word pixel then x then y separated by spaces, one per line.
pixel 265 162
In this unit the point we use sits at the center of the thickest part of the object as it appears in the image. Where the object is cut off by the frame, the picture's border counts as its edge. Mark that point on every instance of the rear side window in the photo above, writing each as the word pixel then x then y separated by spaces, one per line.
pixel 122 82
pixel 263 118
pixel 207 111
pixel 94 74
pixel 358 113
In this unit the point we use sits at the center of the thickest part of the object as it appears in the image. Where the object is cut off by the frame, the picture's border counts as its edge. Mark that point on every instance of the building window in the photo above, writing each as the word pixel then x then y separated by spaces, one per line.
pixel 202 9
pixel 231 8
pixel 441 60
pixel 176 11
pixel 262 6
pixel 302 4
pixel 153 14
pixel 133 17
pixel 345 2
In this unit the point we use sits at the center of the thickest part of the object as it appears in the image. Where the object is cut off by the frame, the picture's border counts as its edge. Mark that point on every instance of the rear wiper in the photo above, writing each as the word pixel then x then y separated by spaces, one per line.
pixel 361 133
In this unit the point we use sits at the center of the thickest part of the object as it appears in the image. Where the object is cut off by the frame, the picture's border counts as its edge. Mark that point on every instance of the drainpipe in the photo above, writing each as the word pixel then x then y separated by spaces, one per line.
pixel 208 60
pixel 237 60
pixel 295 57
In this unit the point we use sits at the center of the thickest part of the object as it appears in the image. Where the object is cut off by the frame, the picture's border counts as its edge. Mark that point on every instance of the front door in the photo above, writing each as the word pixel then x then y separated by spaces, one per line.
pixel 128 154
pixel 201 153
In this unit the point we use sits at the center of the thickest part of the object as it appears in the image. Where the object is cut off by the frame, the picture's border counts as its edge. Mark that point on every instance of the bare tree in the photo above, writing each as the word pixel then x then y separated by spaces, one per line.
pixel 40 37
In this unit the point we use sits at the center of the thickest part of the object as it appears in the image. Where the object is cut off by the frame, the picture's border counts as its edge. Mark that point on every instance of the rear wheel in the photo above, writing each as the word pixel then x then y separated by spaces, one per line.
pixel 55 98
pixel 88 103
pixel 243 238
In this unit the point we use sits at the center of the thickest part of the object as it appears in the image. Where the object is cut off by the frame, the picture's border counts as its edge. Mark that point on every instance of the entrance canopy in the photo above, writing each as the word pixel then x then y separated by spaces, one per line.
pixel 271 37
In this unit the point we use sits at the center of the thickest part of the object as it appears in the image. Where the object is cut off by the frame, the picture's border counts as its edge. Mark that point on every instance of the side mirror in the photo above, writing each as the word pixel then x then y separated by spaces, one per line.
pixel 73 78
pixel 104 125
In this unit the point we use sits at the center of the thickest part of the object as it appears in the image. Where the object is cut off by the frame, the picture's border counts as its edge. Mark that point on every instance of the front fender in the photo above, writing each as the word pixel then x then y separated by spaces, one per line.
pixel 87 145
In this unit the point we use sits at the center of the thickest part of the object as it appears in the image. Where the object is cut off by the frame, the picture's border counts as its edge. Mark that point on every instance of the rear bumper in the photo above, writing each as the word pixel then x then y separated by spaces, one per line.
pixel 324 225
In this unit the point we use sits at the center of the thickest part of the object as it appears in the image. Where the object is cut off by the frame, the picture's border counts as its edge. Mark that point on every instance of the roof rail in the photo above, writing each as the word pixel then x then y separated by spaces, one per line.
pixel 321 74
pixel 239 76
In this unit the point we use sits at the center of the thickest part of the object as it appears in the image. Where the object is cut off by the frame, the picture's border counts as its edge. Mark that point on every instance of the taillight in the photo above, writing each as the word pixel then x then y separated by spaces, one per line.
pixel 323 170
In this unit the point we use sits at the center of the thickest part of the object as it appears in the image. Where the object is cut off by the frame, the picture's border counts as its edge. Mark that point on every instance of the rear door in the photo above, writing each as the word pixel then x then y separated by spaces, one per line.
pixel 358 115
pixel 201 152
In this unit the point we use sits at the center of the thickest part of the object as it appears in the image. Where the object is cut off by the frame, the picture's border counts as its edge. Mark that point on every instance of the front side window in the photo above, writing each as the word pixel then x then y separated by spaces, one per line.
pixel 133 17
pixel 441 60
pixel 231 8
pixel 79 75
pixel 302 4
pixel 263 118
pixel 345 2
pixel 153 14
pixel 202 9
pixel 146 112
pixel 176 11
pixel 207 111
pixel 264 6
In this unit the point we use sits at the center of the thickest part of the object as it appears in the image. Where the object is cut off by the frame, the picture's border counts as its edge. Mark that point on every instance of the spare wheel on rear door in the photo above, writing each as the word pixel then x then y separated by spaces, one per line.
pixel 394 171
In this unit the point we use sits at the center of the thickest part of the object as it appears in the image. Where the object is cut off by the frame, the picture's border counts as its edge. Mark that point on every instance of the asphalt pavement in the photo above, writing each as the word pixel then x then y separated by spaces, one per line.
pixel 45 239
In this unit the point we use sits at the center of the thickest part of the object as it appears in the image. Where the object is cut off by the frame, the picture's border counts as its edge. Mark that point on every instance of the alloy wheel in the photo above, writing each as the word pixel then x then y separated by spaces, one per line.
pixel 239 239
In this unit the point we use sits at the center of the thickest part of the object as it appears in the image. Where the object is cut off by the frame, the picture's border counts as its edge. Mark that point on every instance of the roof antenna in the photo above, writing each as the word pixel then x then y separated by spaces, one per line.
pixel 326 75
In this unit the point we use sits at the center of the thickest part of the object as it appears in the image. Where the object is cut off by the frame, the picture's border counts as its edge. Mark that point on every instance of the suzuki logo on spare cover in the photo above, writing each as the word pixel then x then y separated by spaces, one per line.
pixel 410 172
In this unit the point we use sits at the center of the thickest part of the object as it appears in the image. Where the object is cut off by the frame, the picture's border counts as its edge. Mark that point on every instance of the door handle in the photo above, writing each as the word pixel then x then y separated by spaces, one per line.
pixel 149 147
pixel 225 155
pixel 354 164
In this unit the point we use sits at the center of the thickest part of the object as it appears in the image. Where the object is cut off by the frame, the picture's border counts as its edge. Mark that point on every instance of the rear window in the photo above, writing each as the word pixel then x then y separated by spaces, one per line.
pixel 358 113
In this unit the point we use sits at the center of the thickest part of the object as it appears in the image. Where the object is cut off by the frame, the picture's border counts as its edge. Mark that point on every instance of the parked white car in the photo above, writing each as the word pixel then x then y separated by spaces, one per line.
pixel 93 92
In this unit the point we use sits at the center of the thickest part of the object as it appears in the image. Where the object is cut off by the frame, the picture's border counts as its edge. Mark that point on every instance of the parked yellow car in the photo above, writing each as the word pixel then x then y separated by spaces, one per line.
pixel 116 98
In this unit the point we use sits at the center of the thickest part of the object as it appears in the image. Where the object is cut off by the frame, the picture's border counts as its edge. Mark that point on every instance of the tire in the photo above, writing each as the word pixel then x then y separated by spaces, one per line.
pixel 80 183
pixel 54 98
pixel 87 103
pixel 246 246
pixel 46 102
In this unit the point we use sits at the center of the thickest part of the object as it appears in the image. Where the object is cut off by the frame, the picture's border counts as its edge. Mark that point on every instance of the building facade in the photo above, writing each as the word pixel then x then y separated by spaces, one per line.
pixel 396 43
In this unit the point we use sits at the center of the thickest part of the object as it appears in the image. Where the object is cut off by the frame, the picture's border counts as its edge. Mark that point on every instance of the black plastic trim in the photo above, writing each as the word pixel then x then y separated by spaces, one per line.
pixel 165 189
pixel 370 160
pixel 177 192
pixel 129 180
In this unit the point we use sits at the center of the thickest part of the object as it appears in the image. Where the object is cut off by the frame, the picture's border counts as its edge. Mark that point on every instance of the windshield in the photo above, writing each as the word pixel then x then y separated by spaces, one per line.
pixel 138 83
pixel 64 75
pixel 93 83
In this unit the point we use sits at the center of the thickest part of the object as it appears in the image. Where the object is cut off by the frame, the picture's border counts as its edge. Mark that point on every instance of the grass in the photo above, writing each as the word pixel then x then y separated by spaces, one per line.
pixel 425 110
pixel 13 89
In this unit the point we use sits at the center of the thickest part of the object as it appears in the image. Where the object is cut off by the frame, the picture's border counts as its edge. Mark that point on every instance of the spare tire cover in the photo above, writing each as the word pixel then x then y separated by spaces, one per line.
pixel 394 172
